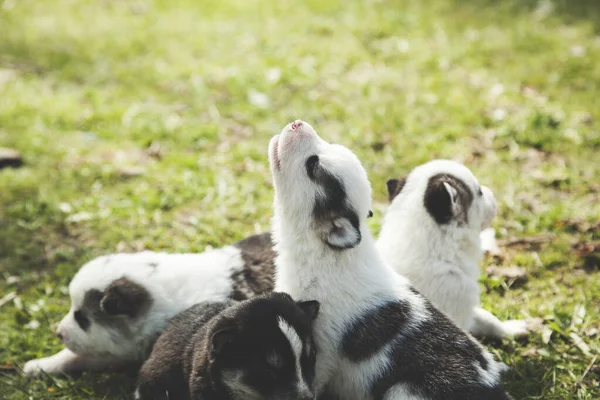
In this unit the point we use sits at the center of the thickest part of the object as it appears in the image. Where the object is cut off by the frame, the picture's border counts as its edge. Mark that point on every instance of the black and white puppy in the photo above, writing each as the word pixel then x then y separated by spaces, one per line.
pixel 431 235
pixel 377 337
pixel 120 303
pixel 258 349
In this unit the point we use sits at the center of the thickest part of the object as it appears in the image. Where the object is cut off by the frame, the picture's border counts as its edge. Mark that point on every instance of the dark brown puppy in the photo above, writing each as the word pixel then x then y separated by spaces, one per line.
pixel 256 349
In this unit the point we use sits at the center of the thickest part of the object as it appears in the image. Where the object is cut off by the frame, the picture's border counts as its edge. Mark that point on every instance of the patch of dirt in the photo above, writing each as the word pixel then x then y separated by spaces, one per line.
pixel 575 225
pixel 529 241
pixel 590 253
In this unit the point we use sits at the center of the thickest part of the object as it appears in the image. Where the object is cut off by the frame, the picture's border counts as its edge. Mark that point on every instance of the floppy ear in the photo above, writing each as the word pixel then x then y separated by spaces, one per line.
pixel 220 339
pixel 394 186
pixel 441 200
pixel 310 308
pixel 124 297
pixel 343 232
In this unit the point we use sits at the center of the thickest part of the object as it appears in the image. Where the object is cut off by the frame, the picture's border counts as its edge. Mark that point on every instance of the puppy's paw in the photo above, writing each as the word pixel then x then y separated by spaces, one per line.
pixel 515 328
pixel 36 367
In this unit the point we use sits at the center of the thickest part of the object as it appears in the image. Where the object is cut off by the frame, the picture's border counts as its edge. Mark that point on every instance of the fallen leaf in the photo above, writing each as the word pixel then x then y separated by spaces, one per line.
pixel 579 226
pixel 581 345
pixel 258 99
pixel 512 273
pixel 578 315
pixel 591 332
pixel 156 150
pixel 585 248
pixel 529 240
pixel 546 334
pixel 8 298
pixel 34 324
pixel 131 172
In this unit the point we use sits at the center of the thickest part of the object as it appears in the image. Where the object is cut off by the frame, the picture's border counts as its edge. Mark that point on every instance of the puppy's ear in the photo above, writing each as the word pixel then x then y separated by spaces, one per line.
pixel 394 186
pixel 125 297
pixel 342 232
pixel 310 308
pixel 220 339
pixel 441 200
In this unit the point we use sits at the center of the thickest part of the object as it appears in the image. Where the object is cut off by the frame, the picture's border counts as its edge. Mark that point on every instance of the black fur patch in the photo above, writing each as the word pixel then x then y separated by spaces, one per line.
pixel 435 361
pixel 369 333
pixel 394 187
pixel 125 297
pixel 82 319
pixel 438 203
pixel 333 204
pixel 257 275
pixel 184 361
pixel 122 299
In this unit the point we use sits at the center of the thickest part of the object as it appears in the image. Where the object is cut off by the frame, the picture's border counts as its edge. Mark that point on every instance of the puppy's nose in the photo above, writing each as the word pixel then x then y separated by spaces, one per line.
pixel 59 335
pixel 296 125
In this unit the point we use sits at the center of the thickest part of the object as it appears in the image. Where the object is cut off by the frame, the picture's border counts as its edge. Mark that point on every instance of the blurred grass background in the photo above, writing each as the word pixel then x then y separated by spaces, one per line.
pixel 144 125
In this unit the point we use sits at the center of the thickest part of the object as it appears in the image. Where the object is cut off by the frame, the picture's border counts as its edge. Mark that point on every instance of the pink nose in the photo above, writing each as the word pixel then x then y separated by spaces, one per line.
pixel 296 124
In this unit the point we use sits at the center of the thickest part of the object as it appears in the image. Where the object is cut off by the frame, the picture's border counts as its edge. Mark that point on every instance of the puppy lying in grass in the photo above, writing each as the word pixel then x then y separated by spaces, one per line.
pixel 377 337
pixel 431 235
pixel 120 303
pixel 259 349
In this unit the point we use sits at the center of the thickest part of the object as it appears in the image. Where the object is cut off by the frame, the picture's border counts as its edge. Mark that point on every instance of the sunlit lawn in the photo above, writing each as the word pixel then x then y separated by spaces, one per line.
pixel 144 125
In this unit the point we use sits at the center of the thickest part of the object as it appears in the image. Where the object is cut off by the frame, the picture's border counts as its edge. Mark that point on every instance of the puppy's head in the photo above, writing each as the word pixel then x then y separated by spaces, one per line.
pixel 321 189
pixel 448 191
pixel 263 349
pixel 107 314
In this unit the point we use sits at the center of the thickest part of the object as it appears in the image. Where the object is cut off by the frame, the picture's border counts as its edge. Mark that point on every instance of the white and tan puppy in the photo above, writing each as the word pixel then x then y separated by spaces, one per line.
pixel 120 303
pixel 431 235
pixel 376 336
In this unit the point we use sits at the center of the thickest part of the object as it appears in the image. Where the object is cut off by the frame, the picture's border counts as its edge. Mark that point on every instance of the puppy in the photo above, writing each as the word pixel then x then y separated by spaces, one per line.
pixel 431 235
pixel 377 337
pixel 120 303
pixel 257 349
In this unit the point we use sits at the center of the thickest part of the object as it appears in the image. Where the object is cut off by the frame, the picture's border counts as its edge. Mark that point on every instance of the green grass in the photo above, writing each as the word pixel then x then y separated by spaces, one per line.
pixel 91 89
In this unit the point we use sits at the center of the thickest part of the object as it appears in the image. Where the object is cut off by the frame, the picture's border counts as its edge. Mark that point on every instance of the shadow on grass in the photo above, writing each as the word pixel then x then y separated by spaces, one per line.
pixel 35 238
pixel 529 378
pixel 97 386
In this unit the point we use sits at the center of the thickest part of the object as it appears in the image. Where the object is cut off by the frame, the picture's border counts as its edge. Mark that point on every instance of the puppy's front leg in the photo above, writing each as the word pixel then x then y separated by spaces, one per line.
pixel 67 362
pixel 486 324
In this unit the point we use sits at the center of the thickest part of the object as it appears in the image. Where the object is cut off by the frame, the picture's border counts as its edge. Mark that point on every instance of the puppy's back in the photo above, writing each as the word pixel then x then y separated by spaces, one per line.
pixel 164 369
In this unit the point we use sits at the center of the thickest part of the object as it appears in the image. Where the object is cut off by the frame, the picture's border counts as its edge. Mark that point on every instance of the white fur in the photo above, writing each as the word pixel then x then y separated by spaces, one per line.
pixel 347 283
pixel 174 281
pixel 442 262
pixel 296 345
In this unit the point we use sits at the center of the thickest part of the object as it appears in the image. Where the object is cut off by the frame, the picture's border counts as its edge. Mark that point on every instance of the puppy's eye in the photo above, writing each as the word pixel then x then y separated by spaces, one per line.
pixel 311 165
pixel 82 320
pixel 274 361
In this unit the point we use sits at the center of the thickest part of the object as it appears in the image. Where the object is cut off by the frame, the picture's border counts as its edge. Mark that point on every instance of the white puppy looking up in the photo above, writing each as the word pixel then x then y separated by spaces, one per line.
pixel 431 235
pixel 376 336
pixel 120 303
